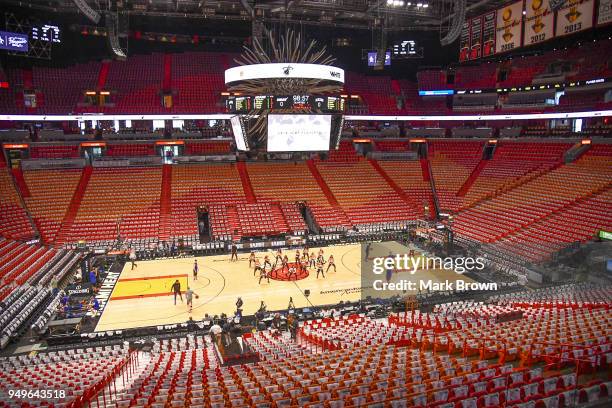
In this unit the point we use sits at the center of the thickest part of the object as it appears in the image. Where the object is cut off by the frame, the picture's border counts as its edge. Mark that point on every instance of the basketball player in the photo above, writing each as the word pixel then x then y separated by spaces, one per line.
pixel 234 253
pixel 189 293
pixel 367 251
pixel 176 289
pixel 133 258
pixel 389 274
pixel 320 269
pixel 195 270
pixel 251 258
pixel 331 263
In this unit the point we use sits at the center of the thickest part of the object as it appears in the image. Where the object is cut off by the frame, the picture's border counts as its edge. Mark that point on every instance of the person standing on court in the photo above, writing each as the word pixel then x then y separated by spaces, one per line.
pixel 234 253
pixel 176 289
pixel 189 293
pixel 133 258
pixel 195 270
pixel 330 263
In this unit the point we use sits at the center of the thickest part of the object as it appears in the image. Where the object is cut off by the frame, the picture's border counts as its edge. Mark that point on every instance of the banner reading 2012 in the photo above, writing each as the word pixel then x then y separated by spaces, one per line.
pixel 539 22
pixel 509 27
pixel 574 16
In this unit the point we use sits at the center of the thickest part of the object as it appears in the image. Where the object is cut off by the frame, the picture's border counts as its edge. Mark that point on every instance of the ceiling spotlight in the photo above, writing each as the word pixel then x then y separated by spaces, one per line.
pixel 409 4
pixel 419 4
pixel 390 2
pixel 425 5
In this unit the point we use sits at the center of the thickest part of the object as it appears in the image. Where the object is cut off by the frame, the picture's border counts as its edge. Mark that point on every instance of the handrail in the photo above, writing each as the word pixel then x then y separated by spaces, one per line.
pixel 108 384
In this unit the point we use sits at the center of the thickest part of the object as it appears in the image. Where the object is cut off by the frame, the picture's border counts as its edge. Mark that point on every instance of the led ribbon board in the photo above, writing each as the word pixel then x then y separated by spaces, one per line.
pixel 386 118
pixel 284 70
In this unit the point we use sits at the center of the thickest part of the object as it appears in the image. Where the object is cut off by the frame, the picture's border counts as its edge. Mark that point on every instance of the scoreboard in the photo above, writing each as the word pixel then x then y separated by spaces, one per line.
pixel 46 32
pixel 407 47
pixel 246 104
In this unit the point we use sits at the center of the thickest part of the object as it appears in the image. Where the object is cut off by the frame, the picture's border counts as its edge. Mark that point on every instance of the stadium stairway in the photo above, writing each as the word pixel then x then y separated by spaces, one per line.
pixel 569 205
pixel 22 190
pixel 279 217
pixel 233 223
pixel 426 169
pixel 165 202
pixel 327 191
pixel 167 81
pixel 532 175
pixel 575 152
pixel 249 194
pixel 393 184
pixel 73 207
pixel 103 74
pixel 472 178
pixel 22 187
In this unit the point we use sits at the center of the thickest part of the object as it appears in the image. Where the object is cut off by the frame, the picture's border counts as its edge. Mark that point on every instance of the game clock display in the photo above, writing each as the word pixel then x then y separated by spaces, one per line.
pixel 245 104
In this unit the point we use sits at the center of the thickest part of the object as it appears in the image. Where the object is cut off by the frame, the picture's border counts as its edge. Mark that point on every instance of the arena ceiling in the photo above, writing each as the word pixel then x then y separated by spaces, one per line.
pixel 393 15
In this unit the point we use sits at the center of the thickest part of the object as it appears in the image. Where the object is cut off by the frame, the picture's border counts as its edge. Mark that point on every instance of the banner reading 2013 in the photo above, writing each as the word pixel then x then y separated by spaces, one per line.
pixel 509 27
pixel 574 16
pixel 539 22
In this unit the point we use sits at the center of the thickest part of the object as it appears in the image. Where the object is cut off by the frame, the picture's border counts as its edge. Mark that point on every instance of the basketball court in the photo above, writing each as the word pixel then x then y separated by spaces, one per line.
pixel 142 296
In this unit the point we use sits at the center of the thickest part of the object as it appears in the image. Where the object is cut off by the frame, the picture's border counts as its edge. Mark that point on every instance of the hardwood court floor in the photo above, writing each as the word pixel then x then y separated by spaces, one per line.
pixel 142 296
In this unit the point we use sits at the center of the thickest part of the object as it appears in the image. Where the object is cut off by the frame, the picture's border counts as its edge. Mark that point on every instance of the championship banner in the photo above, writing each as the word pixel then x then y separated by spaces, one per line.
pixel 476 38
pixel 604 14
pixel 488 34
pixel 539 22
pixel 574 16
pixel 464 42
pixel 509 27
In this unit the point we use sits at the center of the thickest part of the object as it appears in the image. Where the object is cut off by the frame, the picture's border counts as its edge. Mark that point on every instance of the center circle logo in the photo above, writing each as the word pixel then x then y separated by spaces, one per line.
pixel 292 272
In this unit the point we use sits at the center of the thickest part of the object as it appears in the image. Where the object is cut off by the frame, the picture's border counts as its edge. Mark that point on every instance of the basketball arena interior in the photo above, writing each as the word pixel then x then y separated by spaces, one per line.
pixel 317 203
